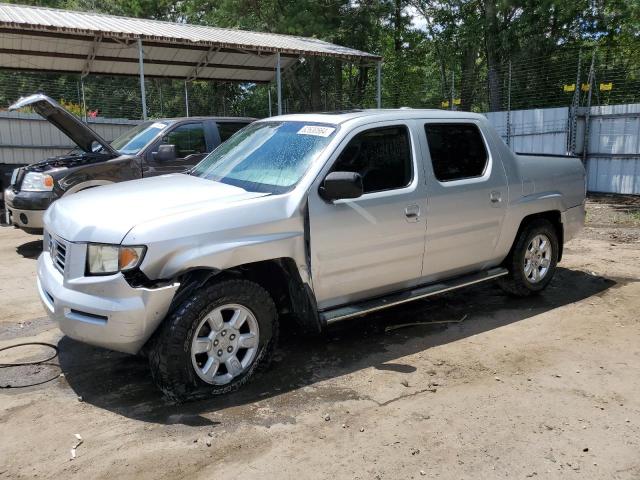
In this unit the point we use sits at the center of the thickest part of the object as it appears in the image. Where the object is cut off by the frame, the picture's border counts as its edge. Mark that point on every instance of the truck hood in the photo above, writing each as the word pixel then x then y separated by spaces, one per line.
pixel 66 122
pixel 105 214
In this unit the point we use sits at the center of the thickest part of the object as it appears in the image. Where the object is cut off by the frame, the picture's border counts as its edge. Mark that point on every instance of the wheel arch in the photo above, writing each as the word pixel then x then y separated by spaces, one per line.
pixel 280 277
pixel 552 216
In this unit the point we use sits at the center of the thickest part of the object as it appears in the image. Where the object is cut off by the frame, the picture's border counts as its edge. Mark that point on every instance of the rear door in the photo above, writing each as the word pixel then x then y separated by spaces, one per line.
pixel 373 244
pixel 467 193
pixel 191 140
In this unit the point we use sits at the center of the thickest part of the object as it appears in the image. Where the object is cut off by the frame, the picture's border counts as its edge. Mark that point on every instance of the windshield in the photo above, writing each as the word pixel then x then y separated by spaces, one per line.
pixel 132 141
pixel 266 156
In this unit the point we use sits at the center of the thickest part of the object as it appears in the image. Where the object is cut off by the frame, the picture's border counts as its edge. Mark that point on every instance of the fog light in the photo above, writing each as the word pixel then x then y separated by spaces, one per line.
pixel 24 219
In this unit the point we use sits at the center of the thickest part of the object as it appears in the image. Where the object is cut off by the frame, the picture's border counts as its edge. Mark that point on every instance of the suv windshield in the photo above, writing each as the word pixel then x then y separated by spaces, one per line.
pixel 132 141
pixel 266 156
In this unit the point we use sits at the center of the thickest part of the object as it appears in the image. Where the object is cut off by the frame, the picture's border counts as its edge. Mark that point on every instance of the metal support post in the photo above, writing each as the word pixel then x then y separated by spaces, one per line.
pixel 509 108
pixel 143 95
pixel 379 84
pixel 279 83
pixel 587 115
pixel 453 81
pixel 186 98
pixel 84 103
pixel 575 103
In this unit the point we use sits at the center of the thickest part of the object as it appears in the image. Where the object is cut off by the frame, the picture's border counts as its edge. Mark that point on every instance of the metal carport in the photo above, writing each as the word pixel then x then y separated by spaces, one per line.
pixel 62 41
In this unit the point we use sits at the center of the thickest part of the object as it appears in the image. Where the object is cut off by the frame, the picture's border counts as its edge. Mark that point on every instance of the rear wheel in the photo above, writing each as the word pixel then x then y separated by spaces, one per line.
pixel 532 262
pixel 214 342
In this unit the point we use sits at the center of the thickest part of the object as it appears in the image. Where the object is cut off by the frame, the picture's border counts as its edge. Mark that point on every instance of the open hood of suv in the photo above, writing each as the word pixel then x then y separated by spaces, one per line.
pixel 65 121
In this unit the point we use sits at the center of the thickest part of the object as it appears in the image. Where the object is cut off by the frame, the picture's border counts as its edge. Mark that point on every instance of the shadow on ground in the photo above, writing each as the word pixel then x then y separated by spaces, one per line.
pixel 30 249
pixel 122 383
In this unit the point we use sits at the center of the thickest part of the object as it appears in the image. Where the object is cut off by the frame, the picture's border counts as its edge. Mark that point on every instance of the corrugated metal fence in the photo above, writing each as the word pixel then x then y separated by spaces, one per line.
pixel 542 130
pixel 613 147
pixel 28 138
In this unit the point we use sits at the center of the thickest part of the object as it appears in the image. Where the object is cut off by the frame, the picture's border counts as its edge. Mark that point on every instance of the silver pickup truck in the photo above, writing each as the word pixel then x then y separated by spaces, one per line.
pixel 310 218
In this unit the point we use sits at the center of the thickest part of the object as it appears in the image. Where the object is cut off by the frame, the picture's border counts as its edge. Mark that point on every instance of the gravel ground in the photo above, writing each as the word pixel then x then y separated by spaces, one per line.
pixel 546 387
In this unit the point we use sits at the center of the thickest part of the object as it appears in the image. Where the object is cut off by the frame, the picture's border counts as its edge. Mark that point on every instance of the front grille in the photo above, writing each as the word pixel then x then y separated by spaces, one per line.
pixel 58 252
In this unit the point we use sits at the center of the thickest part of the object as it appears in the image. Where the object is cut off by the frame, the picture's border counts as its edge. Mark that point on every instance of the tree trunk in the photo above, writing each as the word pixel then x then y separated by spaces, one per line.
pixel 397 49
pixel 469 76
pixel 290 74
pixel 338 100
pixel 360 87
pixel 316 97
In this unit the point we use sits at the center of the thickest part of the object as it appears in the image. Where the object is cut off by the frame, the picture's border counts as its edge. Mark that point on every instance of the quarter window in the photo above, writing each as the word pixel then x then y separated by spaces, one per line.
pixel 188 139
pixel 382 156
pixel 457 150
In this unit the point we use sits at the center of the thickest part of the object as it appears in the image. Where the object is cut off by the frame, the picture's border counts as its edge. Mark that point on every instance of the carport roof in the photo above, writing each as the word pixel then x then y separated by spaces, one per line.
pixel 47 39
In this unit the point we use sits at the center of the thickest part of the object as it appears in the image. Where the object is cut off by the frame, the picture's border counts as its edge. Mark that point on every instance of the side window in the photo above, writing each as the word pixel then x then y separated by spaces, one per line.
pixel 188 139
pixel 382 156
pixel 457 150
pixel 227 129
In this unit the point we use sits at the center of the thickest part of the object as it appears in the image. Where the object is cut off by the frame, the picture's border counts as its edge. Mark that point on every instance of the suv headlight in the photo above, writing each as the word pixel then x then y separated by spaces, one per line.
pixel 109 259
pixel 37 182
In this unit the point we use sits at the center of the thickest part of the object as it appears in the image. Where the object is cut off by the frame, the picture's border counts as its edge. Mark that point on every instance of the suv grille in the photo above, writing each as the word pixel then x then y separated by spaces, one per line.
pixel 58 252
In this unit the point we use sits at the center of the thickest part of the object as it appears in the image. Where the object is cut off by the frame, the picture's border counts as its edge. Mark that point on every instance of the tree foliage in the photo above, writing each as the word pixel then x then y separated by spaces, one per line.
pixel 481 53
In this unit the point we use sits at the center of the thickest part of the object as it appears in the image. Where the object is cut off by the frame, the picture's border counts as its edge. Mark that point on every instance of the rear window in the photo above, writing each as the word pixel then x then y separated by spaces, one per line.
pixel 457 150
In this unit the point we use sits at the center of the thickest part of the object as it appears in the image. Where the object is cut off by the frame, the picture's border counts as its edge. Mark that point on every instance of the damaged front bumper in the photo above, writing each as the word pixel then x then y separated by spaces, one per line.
pixel 104 311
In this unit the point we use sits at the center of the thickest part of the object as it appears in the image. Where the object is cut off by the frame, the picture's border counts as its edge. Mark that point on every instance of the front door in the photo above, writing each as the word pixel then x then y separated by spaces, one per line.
pixel 191 147
pixel 373 244
pixel 467 191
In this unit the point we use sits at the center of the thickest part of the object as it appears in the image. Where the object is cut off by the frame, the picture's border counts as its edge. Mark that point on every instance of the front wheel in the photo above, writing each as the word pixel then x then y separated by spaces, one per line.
pixel 532 262
pixel 214 342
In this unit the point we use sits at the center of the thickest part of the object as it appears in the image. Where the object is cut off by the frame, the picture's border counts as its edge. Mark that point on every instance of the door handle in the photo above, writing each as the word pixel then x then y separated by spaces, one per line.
pixel 495 197
pixel 412 212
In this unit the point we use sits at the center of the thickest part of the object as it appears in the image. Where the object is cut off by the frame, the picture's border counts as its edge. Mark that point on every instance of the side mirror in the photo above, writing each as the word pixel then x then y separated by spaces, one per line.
pixel 165 153
pixel 341 185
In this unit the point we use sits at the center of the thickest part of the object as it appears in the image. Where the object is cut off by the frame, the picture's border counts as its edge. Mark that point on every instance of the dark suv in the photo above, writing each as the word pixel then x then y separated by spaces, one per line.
pixel 151 148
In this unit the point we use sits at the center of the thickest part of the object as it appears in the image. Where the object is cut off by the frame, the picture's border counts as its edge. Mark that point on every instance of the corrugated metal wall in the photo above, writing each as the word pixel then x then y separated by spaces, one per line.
pixel 28 138
pixel 613 153
pixel 613 160
pixel 542 130
pixel 614 149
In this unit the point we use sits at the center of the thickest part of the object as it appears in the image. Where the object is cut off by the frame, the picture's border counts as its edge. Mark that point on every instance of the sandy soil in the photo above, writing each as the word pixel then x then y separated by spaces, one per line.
pixel 546 387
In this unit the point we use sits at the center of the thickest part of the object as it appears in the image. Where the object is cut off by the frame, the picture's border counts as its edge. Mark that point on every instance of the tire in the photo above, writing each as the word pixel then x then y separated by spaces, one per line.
pixel 180 373
pixel 522 281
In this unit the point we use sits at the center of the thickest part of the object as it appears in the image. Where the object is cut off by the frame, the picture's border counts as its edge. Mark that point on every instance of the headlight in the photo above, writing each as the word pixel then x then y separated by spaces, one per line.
pixel 109 259
pixel 37 182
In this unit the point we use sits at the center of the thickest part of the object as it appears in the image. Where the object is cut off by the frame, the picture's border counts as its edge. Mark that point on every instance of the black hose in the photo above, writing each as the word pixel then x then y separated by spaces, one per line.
pixel 36 362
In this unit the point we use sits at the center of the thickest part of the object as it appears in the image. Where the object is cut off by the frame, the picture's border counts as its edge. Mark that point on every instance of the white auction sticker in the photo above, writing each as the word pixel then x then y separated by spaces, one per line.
pixel 158 125
pixel 316 130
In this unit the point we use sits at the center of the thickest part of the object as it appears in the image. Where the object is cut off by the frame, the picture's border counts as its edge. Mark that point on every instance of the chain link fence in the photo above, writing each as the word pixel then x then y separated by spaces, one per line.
pixel 567 78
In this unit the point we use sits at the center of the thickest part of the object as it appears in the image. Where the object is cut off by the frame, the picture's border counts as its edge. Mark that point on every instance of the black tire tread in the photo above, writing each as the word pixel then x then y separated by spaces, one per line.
pixel 169 352
pixel 515 283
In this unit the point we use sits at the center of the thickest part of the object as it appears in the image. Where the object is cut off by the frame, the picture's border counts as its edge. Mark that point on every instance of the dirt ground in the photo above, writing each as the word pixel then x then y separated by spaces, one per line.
pixel 546 387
